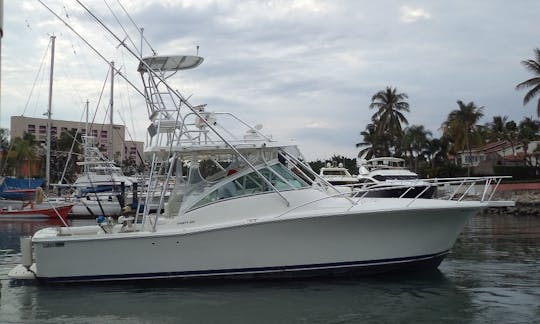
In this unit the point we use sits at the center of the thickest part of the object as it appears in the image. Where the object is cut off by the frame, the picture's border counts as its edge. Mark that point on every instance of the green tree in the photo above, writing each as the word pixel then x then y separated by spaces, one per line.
pixel 64 154
pixel 416 142
pixel 527 132
pixel 378 142
pixel 23 150
pixel 533 66
pixel 512 134
pixel 497 128
pixel 434 151
pixel 4 148
pixel 460 127
pixel 389 106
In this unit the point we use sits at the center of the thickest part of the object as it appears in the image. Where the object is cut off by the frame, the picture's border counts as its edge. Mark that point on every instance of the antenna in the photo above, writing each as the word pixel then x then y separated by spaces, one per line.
pixel 197 50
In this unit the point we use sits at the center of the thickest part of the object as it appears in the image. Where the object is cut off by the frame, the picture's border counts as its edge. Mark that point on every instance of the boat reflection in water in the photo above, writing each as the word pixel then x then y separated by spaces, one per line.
pixel 399 298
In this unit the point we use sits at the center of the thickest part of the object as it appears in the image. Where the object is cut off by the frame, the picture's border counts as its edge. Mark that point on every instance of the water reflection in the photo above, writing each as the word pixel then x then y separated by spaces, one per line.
pixel 497 259
pixel 392 298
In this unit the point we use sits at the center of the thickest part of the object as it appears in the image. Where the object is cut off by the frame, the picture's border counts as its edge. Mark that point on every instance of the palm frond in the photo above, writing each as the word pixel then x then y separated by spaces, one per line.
pixel 531 65
pixel 528 83
pixel 531 94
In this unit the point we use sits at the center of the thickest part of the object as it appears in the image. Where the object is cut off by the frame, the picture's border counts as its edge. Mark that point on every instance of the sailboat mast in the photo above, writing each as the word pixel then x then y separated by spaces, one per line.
pixel 110 150
pixel 48 151
pixel 87 137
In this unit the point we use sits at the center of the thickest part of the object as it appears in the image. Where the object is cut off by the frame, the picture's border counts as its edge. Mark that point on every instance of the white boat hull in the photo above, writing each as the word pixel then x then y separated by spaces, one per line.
pixel 93 208
pixel 372 242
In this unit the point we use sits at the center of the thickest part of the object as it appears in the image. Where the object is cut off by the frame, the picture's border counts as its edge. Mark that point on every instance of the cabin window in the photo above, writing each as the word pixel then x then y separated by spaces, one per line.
pixel 281 178
pixel 334 172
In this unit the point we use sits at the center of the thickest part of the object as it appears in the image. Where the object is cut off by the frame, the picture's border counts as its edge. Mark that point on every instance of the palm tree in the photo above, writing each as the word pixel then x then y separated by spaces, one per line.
pixel 497 128
pixel 4 148
pixel 460 126
pixel 388 118
pixel 22 149
pixel 511 134
pixel 415 140
pixel 434 149
pixel 378 142
pixel 533 65
pixel 527 132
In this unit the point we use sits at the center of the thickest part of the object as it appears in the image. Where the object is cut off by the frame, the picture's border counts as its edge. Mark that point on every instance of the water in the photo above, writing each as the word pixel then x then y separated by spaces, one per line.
pixel 492 275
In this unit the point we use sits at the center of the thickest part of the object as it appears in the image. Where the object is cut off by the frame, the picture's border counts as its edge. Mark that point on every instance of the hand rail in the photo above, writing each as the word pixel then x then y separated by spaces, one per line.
pixel 469 182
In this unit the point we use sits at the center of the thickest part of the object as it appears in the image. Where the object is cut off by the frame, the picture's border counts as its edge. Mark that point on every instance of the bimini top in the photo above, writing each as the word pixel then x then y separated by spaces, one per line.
pixel 170 63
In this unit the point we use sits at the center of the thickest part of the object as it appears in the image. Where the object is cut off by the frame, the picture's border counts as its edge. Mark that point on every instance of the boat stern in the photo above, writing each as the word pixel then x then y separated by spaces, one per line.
pixel 27 269
pixel 21 272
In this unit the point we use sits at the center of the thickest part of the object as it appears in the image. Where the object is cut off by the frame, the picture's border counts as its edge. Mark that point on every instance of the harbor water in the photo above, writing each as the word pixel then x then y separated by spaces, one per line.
pixel 491 276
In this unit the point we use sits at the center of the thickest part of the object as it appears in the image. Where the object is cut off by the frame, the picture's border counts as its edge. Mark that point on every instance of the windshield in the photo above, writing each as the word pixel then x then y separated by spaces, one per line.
pixel 281 177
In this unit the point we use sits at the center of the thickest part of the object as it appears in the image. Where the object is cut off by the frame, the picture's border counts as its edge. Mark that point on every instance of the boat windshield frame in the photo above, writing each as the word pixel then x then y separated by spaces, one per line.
pixel 231 178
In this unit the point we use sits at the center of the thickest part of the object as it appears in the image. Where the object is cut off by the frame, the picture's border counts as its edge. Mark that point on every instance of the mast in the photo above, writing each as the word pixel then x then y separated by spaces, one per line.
pixel 86 138
pixel 110 137
pixel 48 150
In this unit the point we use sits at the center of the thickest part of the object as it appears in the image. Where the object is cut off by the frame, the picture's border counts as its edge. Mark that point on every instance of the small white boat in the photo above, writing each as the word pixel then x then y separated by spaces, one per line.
pixel 244 205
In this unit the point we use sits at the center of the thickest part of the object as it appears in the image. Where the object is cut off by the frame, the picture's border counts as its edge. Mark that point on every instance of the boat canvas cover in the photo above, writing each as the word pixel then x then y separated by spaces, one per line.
pixel 19 189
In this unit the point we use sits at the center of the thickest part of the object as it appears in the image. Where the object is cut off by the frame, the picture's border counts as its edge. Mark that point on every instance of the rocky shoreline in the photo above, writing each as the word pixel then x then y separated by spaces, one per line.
pixel 527 203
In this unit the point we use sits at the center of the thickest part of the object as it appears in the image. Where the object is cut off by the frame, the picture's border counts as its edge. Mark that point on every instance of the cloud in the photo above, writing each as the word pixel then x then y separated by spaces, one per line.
pixel 298 67
pixel 411 15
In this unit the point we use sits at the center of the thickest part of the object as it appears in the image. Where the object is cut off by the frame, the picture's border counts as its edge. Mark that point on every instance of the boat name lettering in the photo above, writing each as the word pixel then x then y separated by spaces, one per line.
pixel 53 244
pixel 186 222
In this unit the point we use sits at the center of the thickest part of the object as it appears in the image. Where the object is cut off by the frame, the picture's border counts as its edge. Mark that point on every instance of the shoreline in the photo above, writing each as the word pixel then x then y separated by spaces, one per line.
pixel 526 196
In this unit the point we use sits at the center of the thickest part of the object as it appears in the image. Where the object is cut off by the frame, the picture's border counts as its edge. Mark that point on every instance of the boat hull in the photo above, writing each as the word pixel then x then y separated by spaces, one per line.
pixel 92 208
pixel 339 244
pixel 385 191
pixel 37 213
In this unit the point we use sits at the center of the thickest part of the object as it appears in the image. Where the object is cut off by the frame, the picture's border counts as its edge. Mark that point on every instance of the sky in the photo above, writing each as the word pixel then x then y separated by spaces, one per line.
pixel 304 69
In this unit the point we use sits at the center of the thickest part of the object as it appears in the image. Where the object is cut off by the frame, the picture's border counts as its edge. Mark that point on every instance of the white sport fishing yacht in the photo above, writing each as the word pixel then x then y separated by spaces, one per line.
pixel 244 205
pixel 101 188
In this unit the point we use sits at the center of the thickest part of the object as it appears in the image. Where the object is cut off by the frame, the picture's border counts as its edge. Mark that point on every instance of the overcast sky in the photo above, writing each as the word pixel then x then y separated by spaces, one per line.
pixel 304 69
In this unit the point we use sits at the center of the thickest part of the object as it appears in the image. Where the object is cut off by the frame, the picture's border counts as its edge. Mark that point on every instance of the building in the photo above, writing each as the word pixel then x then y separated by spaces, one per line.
pixel 114 143
pixel 498 153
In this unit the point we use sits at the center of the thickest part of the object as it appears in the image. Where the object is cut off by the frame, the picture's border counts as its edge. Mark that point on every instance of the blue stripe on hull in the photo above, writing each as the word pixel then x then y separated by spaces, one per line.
pixel 306 270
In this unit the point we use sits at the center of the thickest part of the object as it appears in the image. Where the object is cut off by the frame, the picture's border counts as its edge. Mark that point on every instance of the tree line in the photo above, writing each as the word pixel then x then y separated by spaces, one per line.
pixel 389 132
pixel 25 157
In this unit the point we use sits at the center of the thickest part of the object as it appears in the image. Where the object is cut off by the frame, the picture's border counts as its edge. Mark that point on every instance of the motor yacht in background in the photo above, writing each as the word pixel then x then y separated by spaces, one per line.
pixel 339 177
pixel 243 205
pixel 388 177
